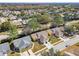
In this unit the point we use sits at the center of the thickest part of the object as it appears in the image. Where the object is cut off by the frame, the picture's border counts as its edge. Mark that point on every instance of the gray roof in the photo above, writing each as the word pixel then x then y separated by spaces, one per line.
pixel 43 33
pixel 22 42
pixel 1 54
pixel 4 47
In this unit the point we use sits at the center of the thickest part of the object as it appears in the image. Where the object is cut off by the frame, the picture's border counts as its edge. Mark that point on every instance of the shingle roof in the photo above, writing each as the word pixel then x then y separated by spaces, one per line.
pixel 22 42
pixel 1 54
pixel 4 47
pixel 43 33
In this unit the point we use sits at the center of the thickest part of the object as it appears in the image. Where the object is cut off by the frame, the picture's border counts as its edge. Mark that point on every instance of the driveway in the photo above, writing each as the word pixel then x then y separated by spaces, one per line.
pixel 48 45
pixel 67 43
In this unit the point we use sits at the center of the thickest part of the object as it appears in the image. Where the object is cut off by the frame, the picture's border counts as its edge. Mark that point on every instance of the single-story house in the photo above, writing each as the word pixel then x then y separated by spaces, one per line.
pixel 40 36
pixel 4 48
pixel 2 20
pixel 21 43
pixel 43 33
pixel 57 31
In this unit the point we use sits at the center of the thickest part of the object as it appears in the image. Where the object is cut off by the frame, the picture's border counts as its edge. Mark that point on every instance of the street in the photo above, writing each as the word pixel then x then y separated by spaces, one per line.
pixel 67 43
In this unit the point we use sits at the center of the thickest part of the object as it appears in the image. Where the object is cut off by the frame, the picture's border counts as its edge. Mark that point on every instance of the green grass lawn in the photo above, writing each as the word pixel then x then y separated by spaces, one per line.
pixel 11 53
pixel 53 39
pixel 37 47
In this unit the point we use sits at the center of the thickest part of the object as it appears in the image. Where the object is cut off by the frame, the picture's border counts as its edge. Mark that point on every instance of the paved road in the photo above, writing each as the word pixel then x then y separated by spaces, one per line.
pixel 64 44
pixel 30 52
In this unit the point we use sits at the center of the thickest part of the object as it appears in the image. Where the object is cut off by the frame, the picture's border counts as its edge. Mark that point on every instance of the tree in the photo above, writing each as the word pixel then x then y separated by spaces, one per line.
pixel 12 29
pixel 75 25
pixel 5 26
pixel 58 53
pixel 67 7
pixel 44 53
pixel 51 52
pixel 43 19
pixel 34 24
pixel 69 30
pixel 58 20
pixel 13 32
pixel 27 29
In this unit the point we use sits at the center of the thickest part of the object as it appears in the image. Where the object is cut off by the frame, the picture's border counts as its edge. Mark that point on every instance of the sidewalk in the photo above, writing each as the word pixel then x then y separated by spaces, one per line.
pixel 30 52
pixel 24 53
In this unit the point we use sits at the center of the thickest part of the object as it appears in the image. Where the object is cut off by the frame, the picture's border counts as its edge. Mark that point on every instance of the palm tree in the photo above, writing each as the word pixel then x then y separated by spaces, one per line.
pixel 13 32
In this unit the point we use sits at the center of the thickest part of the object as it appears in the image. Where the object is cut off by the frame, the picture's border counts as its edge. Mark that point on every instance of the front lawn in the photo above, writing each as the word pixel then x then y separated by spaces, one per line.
pixel 37 47
pixel 53 39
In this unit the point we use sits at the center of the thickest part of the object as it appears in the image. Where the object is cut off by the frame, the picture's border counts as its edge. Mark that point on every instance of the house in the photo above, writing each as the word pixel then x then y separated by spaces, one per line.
pixel 3 19
pixel 4 49
pixel 21 43
pixel 43 33
pixel 58 31
pixel 40 36
pixel 17 22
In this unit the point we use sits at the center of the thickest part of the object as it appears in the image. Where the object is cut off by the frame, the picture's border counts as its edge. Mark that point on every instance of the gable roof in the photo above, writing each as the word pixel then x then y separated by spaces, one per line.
pixel 22 42
pixel 4 47
pixel 43 33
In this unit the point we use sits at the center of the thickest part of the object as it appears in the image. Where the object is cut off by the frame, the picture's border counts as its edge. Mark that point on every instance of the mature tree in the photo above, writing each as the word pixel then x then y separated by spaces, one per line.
pixel 69 30
pixel 34 24
pixel 43 19
pixel 27 29
pixel 75 26
pixel 5 26
pixel 58 20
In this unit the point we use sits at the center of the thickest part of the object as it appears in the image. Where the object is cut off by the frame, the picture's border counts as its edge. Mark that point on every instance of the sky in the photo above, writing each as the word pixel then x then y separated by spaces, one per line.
pixel 37 1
